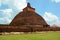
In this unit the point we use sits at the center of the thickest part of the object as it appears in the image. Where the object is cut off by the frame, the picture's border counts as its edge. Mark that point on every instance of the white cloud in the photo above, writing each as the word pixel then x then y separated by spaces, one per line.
pixel 51 18
pixel 7 13
pixel 20 4
pixel 5 20
pixel 57 1
pixel 14 6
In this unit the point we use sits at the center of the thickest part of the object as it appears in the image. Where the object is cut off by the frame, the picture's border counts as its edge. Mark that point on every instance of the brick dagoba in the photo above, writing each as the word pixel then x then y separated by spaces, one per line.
pixel 26 21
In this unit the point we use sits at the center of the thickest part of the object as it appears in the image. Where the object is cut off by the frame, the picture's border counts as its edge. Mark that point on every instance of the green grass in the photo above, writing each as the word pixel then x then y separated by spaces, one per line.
pixel 33 36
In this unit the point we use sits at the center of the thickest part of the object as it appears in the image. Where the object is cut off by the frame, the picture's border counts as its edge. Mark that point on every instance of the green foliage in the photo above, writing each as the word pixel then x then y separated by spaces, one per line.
pixel 33 36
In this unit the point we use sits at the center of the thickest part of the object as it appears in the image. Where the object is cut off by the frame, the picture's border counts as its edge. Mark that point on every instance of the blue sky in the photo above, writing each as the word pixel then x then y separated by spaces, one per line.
pixel 48 9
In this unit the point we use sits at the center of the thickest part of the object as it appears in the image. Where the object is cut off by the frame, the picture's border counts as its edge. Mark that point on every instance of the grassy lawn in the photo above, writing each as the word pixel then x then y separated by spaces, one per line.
pixel 33 36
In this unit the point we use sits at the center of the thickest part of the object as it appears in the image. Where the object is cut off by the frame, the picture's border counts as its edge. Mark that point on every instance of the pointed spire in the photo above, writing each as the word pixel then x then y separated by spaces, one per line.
pixel 29 8
pixel 28 4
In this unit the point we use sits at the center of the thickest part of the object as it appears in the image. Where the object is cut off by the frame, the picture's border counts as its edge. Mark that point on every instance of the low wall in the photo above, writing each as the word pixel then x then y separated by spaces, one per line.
pixel 27 28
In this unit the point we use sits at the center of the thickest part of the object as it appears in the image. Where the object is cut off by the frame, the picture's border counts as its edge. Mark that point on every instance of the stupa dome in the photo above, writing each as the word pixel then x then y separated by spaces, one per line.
pixel 28 17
